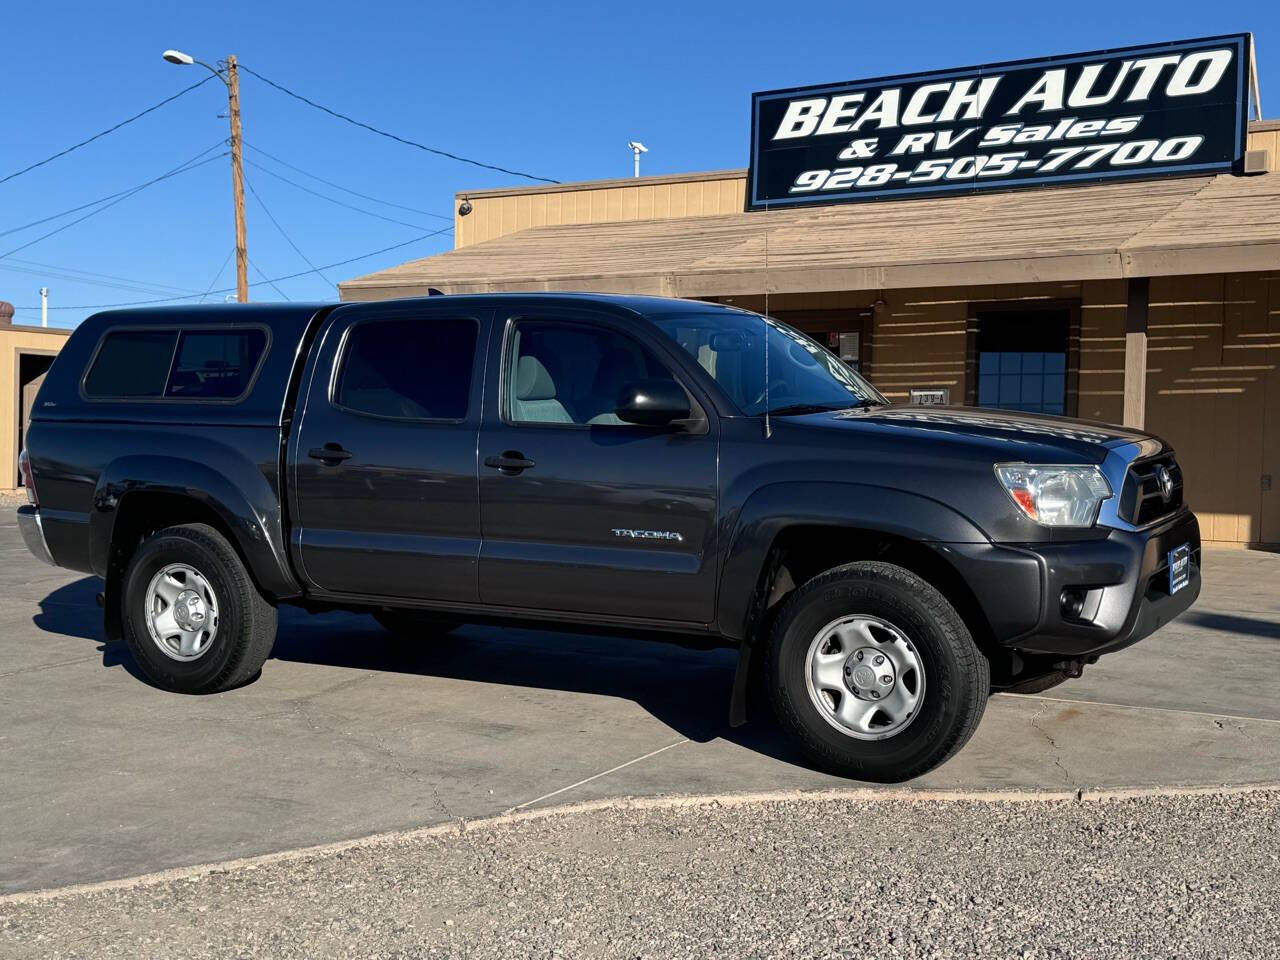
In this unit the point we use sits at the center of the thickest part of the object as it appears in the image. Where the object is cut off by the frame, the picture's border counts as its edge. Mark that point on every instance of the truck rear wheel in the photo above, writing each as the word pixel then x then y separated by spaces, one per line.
pixel 193 618
pixel 873 674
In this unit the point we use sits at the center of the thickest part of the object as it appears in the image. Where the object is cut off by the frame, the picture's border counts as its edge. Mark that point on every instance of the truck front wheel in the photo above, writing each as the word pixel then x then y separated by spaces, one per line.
pixel 193 618
pixel 873 674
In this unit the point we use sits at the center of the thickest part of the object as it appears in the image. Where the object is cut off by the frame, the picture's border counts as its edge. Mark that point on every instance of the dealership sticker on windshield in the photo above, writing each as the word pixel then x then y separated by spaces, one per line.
pixel 1179 567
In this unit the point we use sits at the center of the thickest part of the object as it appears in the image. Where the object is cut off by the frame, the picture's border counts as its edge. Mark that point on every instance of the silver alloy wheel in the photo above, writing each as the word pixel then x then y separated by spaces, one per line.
pixel 865 677
pixel 182 612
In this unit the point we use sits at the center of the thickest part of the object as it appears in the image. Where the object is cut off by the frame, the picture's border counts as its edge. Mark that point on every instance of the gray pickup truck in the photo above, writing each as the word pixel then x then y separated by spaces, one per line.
pixel 613 465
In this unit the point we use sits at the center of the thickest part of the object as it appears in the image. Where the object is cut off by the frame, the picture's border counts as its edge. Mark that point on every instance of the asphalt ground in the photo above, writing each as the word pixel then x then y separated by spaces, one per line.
pixel 351 732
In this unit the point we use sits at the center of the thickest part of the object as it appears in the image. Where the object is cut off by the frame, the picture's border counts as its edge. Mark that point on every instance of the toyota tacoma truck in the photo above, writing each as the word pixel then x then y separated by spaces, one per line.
pixel 600 464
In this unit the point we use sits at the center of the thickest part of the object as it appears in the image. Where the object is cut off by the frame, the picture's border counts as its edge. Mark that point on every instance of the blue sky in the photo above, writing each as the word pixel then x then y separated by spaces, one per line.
pixel 554 89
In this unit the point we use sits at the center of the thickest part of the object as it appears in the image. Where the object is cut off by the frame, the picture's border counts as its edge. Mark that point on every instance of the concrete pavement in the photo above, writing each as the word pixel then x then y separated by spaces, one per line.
pixel 350 731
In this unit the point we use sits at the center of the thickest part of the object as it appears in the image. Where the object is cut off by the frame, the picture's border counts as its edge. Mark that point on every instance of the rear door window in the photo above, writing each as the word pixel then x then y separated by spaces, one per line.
pixel 411 369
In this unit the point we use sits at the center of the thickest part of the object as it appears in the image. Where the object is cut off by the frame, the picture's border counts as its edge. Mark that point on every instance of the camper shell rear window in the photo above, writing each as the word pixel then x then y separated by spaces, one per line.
pixel 176 363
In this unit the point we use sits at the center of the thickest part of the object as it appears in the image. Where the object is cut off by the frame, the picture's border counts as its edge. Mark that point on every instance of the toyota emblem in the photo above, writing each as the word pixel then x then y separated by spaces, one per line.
pixel 1165 479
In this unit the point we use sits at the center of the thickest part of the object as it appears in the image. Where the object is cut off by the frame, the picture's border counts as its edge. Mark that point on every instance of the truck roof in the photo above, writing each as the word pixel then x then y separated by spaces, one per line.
pixel 300 312
pixel 64 396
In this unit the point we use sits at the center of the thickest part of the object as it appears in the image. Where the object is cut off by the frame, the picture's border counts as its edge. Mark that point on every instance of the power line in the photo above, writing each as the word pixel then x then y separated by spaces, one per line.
pixel 48 271
pixel 291 276
pixel 338 186
pixel 287 238
pixel 266 280
pixel 184 168
pixel 91 203
pixel 341 203
pixel 218 276
pixel 96 136
pixel 392 136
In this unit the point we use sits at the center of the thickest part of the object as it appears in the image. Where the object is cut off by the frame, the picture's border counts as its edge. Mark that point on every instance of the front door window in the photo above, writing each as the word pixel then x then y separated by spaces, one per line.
pixel 572 373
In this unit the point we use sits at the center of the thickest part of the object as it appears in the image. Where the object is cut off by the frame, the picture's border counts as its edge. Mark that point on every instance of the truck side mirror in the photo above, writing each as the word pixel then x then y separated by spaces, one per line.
pixel 652 403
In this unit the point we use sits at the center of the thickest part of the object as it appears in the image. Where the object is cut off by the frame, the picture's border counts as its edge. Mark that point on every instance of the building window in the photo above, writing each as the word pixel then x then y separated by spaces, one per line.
pixel 1022 360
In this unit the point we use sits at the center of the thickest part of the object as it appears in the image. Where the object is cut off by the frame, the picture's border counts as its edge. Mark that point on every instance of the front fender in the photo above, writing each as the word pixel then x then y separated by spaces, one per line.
pixel 237 493
pixel 771 509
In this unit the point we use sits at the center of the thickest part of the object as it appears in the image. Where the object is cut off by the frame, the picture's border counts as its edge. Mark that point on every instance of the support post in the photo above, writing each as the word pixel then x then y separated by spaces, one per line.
pixel 1135 353
pixel 237 181
pixel 1253 80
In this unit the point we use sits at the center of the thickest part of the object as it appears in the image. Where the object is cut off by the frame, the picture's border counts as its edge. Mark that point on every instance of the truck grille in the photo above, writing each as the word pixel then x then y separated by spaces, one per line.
pixel 1141 501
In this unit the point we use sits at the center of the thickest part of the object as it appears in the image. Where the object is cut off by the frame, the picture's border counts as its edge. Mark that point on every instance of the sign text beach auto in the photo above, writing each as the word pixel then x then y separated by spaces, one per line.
pixel 1172 108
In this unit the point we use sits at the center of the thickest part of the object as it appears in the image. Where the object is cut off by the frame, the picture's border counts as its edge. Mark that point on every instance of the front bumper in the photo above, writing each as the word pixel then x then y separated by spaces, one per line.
pixel 1123 577
pixel 33 533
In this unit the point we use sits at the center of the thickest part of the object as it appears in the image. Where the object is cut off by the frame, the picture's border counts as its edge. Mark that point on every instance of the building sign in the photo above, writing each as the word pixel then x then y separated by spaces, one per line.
pixel 1172 108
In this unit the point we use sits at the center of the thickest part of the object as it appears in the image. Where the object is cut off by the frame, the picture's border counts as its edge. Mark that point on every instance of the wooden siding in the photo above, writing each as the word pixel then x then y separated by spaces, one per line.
pixel 1266 136
pixel 1212 391
pixel 497 213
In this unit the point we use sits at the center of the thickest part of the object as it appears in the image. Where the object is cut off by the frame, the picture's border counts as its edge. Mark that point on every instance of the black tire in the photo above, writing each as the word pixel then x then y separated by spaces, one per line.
pixel 415 624
pixel 246 625
pixel 953 699
pixel 1038 684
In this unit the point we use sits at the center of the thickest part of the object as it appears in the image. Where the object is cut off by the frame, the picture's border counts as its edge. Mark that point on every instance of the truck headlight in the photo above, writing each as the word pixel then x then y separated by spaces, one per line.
pixel 1056 496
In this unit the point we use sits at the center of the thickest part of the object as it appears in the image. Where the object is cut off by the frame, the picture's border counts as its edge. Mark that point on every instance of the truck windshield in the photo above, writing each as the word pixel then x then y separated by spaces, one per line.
pixel 803 376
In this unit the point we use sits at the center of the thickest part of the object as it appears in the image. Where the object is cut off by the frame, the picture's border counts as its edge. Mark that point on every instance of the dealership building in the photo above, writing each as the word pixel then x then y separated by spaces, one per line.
pixel 1123 291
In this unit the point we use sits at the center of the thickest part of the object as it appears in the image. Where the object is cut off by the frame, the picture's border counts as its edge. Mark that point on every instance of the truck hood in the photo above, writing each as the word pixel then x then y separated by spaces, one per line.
pixel 1004 432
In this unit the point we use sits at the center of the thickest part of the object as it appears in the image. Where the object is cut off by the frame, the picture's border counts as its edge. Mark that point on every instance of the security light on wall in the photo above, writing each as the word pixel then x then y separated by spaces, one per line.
pixel 637 148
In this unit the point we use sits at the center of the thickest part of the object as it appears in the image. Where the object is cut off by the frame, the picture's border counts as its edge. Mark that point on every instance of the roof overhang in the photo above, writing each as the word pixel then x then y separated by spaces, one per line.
pixel 1107 231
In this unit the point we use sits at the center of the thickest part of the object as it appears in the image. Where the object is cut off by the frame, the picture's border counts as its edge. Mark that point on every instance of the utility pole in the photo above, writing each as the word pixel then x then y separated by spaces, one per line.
pixel 230 76
pixel 237 181
pixel 44 306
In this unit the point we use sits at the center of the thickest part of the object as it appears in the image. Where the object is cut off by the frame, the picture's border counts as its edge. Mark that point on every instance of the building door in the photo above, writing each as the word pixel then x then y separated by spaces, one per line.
pixel 384 458
pixel 581 512
pixel 1023 361
pixel 32 368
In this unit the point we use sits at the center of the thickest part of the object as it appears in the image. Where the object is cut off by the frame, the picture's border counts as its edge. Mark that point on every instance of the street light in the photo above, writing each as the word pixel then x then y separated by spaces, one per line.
pixel 231 79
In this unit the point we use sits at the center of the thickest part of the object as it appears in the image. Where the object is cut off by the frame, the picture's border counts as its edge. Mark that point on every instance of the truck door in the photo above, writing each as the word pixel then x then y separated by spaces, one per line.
pixel 582 512
pixel 384 456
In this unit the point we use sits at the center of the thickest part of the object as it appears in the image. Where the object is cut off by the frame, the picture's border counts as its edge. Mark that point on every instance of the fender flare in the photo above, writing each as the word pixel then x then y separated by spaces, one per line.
pixel 772 509
pixel 247 506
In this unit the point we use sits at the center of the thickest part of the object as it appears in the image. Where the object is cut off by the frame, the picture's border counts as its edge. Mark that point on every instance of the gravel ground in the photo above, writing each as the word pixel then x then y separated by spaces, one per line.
pixel 1190 876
